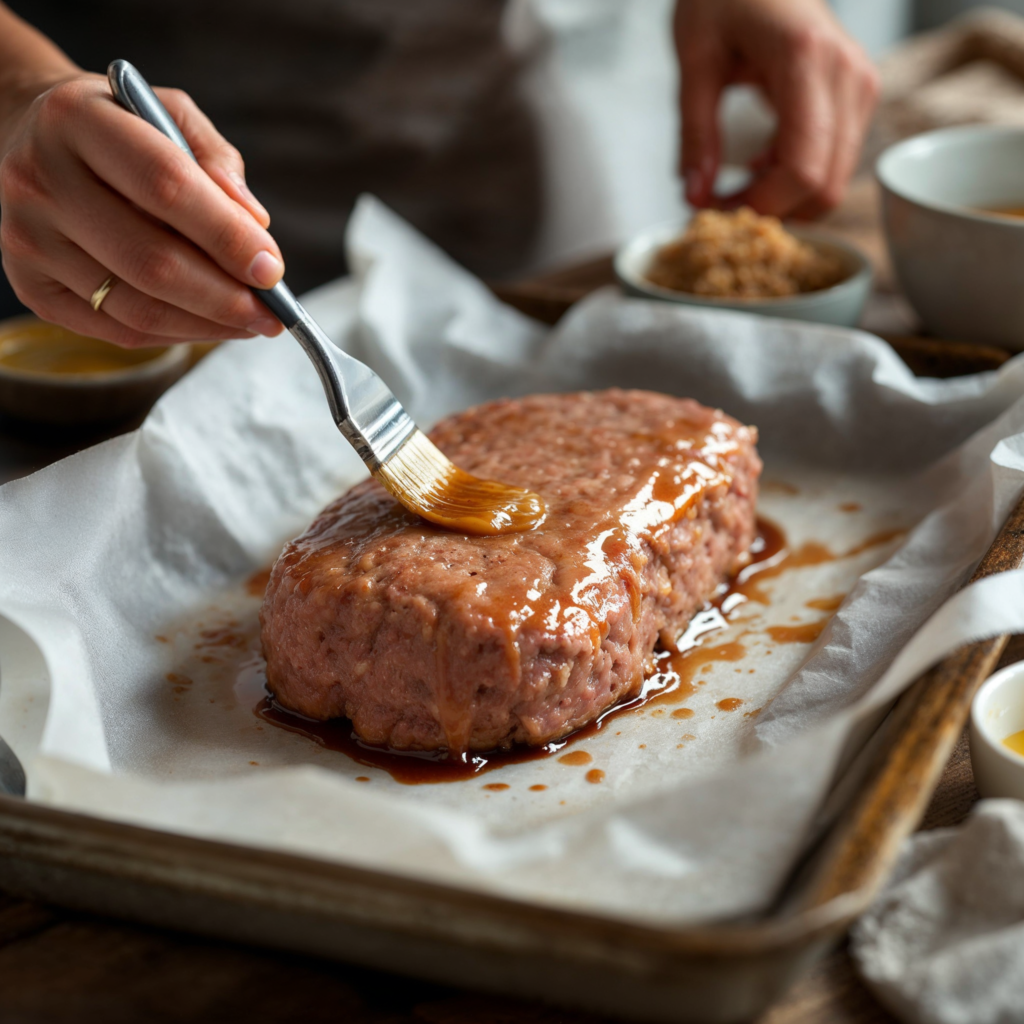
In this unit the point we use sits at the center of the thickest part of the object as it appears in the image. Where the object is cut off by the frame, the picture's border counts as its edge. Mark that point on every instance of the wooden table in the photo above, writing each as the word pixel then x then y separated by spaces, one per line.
pixel 58 967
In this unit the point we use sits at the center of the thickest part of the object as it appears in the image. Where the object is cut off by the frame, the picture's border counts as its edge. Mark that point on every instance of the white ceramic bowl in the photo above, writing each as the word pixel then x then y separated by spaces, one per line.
pixel 841 304
pixel 961 268
pixel 998 712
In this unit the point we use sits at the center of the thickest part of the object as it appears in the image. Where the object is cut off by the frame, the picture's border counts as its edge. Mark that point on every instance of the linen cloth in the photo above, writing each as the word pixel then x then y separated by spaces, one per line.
pixel 944 944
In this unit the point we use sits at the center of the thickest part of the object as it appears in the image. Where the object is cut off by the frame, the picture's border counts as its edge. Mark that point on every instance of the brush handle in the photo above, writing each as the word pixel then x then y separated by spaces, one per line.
pixel 132 91
pixel 363 407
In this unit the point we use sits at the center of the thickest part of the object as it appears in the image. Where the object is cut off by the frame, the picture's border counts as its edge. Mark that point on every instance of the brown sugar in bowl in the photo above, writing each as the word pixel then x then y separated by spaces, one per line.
pixel 840 304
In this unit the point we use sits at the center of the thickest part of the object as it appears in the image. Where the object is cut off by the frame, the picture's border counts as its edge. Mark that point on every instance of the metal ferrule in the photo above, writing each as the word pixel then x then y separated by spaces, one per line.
pixel 363 407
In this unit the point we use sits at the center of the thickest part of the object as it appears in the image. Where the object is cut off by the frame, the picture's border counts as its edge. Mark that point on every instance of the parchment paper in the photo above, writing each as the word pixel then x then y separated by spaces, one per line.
pixel 126 566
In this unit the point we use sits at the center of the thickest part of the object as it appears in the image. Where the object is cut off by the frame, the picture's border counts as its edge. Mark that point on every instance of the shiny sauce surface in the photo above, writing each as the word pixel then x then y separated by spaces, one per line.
pixel 671 681
pixel 428 484
pixel 616 481
pixel 40 348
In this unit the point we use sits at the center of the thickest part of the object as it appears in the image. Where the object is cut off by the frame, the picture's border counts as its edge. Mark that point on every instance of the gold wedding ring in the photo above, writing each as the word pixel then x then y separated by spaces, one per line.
pixel 97 297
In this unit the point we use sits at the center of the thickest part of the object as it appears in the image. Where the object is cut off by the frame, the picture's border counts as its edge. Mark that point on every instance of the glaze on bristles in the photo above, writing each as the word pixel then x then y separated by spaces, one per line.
pixel 424 480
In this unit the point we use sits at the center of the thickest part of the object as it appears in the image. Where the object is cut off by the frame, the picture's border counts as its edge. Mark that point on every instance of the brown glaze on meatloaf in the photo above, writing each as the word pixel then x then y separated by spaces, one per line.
pixel 429 639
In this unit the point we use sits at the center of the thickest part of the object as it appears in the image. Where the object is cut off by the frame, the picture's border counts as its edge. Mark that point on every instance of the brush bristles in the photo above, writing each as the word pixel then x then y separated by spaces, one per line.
pixel 426 482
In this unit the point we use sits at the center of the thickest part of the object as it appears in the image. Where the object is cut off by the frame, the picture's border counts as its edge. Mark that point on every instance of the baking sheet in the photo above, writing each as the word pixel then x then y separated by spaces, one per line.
pixel 155 534
pixel 203 697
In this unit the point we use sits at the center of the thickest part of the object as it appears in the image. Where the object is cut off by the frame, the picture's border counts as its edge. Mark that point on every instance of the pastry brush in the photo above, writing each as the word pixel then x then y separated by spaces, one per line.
pixel 409 465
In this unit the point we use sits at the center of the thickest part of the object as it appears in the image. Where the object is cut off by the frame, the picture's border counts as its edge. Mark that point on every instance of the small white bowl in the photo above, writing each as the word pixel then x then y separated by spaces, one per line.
pixel 998 712
pixel 960 266
pixel 841 304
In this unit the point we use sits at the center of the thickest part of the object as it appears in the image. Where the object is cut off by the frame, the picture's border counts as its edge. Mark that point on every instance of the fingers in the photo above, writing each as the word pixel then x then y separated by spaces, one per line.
pixel 215 154
pixel 703 79
pixel 139 163
pixel 805 139
pixel 86 189
pixel 57 287
pixel 40 231
pixel 148 257
pixel 856 92
pixel 821 84
pixel 824 96
pixel 52 302
pixel 66 264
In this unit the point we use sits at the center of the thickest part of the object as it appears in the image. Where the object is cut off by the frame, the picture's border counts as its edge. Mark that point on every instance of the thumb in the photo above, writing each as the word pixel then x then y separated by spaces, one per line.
pixel 702 82
pixel 221 161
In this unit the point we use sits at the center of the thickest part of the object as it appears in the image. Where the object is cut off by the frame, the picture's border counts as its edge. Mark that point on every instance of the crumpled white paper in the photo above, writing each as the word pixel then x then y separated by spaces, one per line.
pixel 944 944
pixel 141 536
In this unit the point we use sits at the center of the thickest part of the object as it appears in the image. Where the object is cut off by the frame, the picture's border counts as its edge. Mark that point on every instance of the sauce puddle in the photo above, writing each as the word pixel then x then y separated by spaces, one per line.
pixel 748 582
pixel 576 757
pixel 671 682
pixel 256 585
pixel 409 767
pixel 806 633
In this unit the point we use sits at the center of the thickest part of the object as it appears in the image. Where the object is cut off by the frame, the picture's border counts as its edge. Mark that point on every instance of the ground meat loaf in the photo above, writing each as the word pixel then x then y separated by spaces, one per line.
pixel 428 639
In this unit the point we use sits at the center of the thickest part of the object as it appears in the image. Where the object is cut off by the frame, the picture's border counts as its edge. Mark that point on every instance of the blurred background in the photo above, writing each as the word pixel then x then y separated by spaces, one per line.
pixel 518 134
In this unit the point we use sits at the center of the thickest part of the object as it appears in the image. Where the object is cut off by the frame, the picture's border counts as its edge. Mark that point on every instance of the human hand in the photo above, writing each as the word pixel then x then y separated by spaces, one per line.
pixel 819 81
pixel 88 190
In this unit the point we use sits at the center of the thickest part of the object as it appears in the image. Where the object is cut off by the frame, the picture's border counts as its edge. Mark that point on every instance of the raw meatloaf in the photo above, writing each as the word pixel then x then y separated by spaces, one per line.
pixel 428 639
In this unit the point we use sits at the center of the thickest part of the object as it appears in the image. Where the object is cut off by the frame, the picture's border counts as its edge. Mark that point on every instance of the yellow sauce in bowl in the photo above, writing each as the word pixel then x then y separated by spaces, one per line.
pixel 1006 211
pixel 31 346
pixel 1015 742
